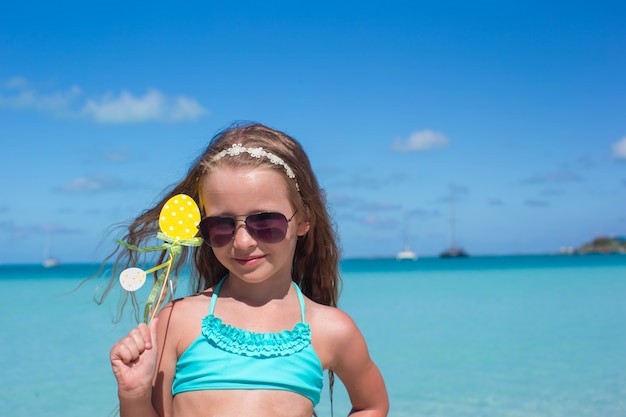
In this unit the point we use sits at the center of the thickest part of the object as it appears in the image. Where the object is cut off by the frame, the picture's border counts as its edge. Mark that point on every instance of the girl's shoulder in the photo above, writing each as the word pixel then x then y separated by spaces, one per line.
pixel 194 300
pixel 332 321
pixel 187 306
pixel 181 320
pixel 332 329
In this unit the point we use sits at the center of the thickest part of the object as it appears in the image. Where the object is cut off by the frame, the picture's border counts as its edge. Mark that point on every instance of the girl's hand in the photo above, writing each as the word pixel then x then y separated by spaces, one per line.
pixel 134 359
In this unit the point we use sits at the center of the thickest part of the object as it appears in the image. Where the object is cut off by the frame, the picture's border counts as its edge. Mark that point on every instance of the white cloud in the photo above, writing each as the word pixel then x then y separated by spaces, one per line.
pixel 17 93
pixel 119 155
pixel 52 228
pixel 186 109
pixel 536 203
pixel 153 106
pixel 563 175
pixel 25 97
pixel 421 141
pixel 619 149
pixel 16 83
pixel 98 183
pixel 83 184
pixel 94 183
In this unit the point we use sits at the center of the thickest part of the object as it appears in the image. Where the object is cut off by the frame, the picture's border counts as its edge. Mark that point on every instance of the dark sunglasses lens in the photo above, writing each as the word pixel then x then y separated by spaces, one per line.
pixel 217 231
pixel 267 227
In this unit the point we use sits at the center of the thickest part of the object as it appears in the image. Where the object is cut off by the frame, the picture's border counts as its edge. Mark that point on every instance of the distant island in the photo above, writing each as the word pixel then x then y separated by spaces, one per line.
pixel 602 244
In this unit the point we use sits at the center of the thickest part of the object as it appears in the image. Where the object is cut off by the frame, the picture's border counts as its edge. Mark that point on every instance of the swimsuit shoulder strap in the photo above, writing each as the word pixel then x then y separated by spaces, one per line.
pixel 301 299
pixel 216 292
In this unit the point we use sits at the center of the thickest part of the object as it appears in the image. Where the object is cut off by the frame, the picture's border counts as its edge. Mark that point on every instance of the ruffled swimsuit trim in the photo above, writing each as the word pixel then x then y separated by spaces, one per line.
pixel 261 345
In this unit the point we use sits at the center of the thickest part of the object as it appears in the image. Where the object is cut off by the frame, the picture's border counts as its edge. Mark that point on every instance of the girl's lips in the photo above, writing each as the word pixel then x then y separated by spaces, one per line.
pixel 249 261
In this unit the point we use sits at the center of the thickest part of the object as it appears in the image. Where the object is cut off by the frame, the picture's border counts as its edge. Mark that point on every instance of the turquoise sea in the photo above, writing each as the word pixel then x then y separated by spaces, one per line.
pixel 518 336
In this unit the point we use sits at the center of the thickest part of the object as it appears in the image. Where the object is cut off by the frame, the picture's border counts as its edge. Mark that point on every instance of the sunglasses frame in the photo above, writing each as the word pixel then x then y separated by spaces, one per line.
pixel 254 233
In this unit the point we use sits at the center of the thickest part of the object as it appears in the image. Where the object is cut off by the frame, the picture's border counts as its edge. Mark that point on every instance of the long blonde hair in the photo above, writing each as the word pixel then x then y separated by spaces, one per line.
pixel 316 260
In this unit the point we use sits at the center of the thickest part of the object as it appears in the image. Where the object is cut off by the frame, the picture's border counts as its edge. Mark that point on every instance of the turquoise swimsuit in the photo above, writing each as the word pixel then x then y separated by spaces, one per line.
pixel 224 357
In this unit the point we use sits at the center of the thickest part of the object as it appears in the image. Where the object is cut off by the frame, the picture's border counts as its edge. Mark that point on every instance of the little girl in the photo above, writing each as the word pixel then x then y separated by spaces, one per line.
pixel 263 325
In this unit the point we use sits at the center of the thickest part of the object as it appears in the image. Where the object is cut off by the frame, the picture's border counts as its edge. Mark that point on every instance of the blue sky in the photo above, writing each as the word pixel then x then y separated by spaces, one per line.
pixel 516 108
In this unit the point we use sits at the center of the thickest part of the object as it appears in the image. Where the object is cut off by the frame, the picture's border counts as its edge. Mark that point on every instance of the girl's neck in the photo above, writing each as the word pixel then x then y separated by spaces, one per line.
pixel 256 293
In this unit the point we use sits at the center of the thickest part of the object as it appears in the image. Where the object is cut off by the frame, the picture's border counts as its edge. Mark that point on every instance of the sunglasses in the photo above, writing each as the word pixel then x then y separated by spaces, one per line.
pixel 267 227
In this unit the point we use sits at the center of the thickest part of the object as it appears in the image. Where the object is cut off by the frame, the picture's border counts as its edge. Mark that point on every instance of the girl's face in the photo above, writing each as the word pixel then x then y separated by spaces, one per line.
pixel 238 192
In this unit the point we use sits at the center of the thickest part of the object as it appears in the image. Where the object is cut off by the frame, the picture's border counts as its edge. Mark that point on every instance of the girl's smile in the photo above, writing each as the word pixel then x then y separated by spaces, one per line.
pixel 250 261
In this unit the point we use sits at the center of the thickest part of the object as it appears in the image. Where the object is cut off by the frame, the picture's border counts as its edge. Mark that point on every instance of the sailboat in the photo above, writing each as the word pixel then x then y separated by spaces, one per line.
pixel 407 254
pixel 49 261
pixel 453 250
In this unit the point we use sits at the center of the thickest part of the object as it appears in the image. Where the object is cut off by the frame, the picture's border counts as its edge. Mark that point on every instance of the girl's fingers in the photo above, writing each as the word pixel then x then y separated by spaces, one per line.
pixel 130 348
pixel 140 336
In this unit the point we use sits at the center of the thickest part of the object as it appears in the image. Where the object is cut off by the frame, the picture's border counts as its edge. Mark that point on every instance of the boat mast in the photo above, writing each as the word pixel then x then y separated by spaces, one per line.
pixel 451 222
pixel 406 230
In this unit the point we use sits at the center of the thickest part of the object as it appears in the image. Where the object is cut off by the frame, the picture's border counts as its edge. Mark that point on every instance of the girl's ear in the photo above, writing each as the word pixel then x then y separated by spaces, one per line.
pixel 303 228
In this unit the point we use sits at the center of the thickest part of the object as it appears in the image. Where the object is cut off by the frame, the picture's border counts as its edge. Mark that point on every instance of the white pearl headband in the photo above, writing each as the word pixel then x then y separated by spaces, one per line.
pixel 237 149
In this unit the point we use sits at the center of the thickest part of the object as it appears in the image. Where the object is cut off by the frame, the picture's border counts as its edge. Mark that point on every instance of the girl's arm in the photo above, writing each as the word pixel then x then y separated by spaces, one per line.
pixel 359 374
pixel 166 366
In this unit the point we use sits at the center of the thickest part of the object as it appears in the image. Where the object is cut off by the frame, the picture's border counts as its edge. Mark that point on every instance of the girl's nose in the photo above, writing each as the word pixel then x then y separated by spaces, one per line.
pixel 242 238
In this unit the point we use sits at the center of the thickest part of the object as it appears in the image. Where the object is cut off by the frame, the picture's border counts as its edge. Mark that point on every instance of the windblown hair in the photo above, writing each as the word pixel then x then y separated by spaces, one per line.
pixel 316 260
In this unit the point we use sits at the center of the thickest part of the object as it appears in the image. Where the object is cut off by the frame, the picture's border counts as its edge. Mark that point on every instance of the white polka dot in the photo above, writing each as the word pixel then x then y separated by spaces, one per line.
pixel 178 219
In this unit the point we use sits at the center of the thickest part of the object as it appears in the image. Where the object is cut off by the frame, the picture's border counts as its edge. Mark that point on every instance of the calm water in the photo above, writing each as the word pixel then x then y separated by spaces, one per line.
pixel 491 336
